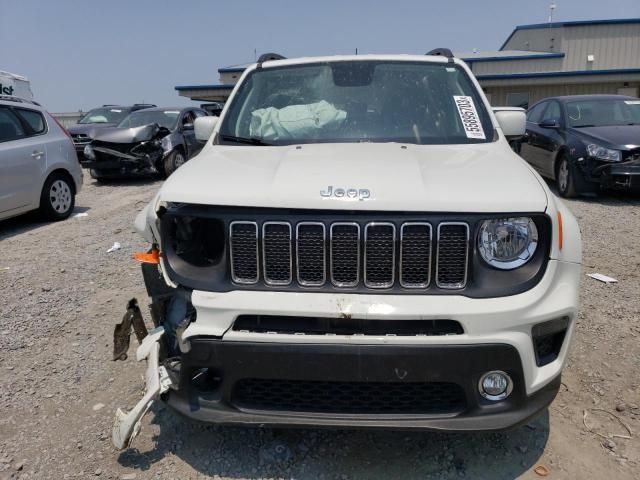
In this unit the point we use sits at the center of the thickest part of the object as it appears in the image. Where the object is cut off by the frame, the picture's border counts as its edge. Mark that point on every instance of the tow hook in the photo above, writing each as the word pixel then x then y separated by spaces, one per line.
pixel 126 425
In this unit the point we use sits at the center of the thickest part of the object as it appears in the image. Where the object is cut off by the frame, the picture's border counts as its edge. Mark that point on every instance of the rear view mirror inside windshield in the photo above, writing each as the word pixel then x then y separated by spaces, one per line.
pixel 352 74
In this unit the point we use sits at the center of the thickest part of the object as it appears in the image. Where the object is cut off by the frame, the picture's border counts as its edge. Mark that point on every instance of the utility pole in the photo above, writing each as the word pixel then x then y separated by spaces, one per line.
pixel 552 7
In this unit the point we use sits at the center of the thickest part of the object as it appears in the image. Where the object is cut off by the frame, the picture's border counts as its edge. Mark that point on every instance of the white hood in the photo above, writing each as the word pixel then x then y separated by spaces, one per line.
pixel 427 178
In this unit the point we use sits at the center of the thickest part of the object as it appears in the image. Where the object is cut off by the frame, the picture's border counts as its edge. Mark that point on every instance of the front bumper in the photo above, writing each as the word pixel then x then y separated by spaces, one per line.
pixel 497 335
pixel 345 372
pixel 622 176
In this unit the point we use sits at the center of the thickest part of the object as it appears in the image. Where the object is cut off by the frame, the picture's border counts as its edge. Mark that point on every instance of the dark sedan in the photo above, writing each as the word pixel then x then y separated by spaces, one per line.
pixel 584 142
pixel 150 141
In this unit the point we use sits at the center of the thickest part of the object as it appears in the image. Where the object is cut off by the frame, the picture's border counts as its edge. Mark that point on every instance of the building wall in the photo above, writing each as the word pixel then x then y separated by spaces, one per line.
pixel 612 46
pixel 499 95
pixel 68 118
pixel 517 66
pixel 230 78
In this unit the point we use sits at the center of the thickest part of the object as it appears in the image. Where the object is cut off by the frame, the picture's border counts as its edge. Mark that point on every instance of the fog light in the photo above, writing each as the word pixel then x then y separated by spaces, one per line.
pixel 495 385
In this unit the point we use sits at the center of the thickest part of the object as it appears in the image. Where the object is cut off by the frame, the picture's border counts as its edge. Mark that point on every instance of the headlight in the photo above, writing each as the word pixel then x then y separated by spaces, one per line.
pixel 507 243
pixel 602 153
pixel 89 153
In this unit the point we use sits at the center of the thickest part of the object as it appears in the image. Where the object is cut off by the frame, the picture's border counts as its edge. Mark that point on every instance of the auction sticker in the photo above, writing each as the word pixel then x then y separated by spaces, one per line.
pixel 469 117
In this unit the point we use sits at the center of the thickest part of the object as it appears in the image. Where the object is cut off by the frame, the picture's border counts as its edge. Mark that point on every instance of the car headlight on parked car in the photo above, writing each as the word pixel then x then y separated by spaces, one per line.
pixel 89 153
pixel 507 243
pixel 602 153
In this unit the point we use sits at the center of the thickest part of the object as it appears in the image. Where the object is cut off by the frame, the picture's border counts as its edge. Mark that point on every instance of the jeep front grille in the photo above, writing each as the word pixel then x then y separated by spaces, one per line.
pixel 376 255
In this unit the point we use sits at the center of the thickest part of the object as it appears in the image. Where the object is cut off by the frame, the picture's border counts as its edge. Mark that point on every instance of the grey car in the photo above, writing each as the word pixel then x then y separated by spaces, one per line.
pixel 150 141
pixel 39 169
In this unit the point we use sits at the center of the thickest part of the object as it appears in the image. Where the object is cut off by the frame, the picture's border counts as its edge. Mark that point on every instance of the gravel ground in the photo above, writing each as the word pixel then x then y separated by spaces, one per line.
pixel 62 295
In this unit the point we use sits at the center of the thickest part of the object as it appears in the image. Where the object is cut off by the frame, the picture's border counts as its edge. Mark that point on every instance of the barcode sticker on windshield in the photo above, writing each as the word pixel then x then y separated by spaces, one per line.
pixel 632 102
pixel 469 116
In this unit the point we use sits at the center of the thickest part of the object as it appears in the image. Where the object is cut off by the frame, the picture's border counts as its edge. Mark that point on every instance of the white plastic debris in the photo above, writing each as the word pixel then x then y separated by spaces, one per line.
pixel 114 247
pixel 79 215
pixel 602 278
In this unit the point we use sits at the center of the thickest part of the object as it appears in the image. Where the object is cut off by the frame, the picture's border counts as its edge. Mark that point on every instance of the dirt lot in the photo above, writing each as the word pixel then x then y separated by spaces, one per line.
pixel 62 294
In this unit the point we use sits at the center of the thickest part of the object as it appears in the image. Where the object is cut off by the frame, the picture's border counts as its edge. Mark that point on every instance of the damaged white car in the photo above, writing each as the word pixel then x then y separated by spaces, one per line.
pixel 357 245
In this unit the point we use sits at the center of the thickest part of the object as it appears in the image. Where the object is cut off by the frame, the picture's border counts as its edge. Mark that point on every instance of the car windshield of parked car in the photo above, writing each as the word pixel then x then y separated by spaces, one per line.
pixel 600 113
pixel 164 118
pixel 104 115
pixel 357 101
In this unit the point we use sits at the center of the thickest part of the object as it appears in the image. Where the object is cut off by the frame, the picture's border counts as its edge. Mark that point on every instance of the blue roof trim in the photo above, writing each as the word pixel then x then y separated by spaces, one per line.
pixel 513 57
pixel 575 73
pixel 575 23
pixel 204 87
pixel 232 69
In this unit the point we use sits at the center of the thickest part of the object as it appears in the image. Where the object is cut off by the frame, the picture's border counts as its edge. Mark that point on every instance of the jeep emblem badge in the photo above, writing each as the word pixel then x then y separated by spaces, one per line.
pixel 348 193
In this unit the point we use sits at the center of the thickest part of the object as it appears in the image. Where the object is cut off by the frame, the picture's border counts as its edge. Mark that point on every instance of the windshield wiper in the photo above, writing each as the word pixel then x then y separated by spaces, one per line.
pixel 585 125
pixel 248 141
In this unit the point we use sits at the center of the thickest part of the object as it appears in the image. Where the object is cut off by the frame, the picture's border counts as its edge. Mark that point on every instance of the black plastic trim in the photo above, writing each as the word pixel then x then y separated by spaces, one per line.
pixel 483 281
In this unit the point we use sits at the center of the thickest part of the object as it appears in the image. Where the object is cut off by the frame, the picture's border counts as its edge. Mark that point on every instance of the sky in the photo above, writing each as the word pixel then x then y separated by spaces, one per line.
pixel 81 54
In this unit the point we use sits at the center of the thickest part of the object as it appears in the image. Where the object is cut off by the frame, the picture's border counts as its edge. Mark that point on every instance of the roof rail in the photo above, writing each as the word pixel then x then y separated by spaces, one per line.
pixel 442 52
pixel 144 105
pixel 265 57
pixel 13 98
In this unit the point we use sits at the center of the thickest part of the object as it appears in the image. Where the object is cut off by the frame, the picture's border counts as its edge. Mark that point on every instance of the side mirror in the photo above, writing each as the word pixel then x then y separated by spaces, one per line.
pixel 512 121
pixel 549 123
pixel 187 126
pixel 204 127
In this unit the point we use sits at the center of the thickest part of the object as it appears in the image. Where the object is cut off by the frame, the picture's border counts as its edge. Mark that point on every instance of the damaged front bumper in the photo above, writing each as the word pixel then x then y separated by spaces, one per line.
pixel 127 425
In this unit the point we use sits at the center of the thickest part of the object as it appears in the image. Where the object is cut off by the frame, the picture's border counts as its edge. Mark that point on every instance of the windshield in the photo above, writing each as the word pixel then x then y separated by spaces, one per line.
pixel 164 118
pixel 599 113
pixel 355 101
pixel 105 115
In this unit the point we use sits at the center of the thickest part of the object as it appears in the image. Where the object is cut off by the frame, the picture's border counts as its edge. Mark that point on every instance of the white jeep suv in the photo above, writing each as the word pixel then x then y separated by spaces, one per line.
pixel 358 245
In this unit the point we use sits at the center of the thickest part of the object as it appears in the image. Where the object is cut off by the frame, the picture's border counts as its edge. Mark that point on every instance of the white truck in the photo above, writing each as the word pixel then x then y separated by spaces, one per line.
pixel 358 245
pixel 13 85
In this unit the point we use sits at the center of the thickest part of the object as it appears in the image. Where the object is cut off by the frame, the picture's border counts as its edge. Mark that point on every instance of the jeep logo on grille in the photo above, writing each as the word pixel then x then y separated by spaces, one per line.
pixel 348 193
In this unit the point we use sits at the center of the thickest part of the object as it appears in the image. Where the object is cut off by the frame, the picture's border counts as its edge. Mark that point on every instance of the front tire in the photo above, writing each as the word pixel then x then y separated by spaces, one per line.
pixel 565 179
pixel 173 161
pixel 58 197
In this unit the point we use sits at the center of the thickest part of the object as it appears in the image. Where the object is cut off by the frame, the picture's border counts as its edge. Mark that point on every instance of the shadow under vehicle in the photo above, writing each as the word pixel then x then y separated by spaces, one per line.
pixel 147 142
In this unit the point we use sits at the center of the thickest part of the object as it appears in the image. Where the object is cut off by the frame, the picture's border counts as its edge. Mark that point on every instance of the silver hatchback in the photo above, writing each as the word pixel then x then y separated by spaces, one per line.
pixel 39 169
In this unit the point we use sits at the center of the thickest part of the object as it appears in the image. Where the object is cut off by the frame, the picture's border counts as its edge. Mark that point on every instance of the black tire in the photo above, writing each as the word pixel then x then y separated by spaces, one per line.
pixel 58 197
pixel 173 161
pixel 565 178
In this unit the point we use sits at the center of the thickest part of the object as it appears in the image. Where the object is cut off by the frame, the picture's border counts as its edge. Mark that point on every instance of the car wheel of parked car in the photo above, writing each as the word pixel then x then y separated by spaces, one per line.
pixel 173 161
pixel 57 198
pixel 565 180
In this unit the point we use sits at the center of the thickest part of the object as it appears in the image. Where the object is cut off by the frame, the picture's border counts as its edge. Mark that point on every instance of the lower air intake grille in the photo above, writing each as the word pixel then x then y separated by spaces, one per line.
pixel 453 247
pixel 243 239
pixel 349 397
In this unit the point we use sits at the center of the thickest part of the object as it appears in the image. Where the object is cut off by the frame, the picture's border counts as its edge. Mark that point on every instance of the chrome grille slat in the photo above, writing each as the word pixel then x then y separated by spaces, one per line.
pixel 452 256
pixel 379 254
pixel 276 248
pixel 243 252
pixel 345 254
pixel 311 257
pixel 415 254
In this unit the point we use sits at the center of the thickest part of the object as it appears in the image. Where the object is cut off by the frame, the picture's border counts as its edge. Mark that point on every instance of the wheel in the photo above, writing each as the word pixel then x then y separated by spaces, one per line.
pixel 57 198
pixel 173 161
pixel 565 180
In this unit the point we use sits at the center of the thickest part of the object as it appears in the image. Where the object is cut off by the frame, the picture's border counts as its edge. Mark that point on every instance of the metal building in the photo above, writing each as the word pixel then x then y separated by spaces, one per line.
pixel 536 61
